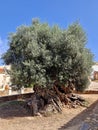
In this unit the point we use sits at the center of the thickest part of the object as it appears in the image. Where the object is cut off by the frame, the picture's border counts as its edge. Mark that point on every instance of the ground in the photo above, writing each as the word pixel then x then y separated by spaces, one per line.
pixel 15 117
pixel 93 86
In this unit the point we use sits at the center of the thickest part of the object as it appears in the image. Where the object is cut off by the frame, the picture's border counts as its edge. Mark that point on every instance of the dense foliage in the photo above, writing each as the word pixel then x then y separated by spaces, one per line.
pixel 42 54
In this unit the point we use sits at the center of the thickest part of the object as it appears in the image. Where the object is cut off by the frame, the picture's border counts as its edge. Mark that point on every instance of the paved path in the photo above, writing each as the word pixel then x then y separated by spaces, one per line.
pixel 91 122
pixel 87 120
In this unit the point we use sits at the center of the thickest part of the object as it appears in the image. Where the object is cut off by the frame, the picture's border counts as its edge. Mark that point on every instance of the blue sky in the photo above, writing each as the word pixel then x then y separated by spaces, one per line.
pixel 14 13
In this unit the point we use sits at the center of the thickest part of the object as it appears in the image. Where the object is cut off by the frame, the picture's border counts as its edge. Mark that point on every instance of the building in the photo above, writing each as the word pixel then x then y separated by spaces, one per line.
pixel 94 74
pixel 5 82
pixel 4 77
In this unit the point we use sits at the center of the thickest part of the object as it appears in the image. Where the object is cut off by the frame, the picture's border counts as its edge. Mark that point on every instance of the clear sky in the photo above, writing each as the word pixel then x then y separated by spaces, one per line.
pixel 14 13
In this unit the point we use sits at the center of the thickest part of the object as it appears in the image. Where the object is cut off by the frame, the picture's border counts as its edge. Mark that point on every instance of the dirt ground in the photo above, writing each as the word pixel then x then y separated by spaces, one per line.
pixel 15 117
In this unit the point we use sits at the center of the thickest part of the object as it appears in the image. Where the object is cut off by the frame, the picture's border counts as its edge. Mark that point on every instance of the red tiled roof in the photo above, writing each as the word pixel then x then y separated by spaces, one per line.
pixel 1 70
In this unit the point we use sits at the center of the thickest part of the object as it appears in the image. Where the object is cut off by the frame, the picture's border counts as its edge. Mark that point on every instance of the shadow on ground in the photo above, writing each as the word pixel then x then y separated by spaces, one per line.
pixel 74 124
pixel 13 109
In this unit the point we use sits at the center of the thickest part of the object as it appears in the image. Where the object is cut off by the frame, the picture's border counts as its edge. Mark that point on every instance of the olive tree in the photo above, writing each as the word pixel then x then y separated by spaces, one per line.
pixel 42 54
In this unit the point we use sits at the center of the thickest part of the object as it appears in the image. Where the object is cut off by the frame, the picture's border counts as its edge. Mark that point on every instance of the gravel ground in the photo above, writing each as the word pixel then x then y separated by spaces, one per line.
pixel 13 117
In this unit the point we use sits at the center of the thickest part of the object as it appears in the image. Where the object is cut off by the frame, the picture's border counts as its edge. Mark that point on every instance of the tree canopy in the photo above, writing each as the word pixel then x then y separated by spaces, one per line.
pixel 42 54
